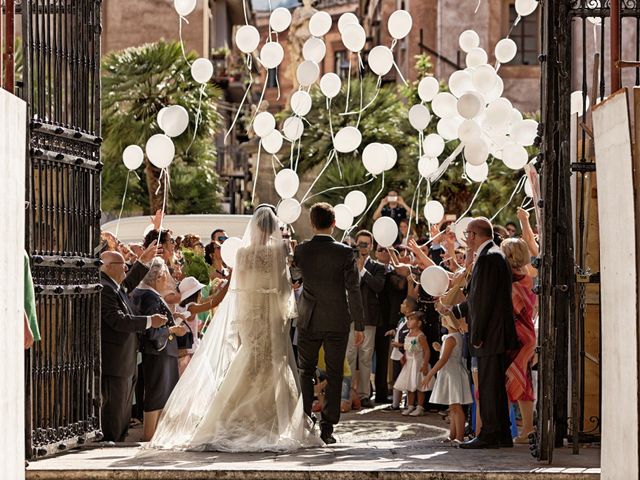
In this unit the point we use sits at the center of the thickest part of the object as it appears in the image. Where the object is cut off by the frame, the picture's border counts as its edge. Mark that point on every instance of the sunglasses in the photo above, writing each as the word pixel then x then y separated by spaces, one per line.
pixel 221 239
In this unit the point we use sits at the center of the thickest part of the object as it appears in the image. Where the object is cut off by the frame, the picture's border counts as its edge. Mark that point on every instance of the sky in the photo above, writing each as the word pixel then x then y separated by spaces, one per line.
pixel 264 4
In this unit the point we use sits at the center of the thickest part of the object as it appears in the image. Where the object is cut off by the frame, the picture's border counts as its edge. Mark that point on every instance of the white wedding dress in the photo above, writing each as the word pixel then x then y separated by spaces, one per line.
pixel 241 391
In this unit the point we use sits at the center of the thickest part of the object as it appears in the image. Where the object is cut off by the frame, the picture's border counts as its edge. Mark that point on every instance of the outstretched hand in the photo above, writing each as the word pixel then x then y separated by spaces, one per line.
pixel 358 338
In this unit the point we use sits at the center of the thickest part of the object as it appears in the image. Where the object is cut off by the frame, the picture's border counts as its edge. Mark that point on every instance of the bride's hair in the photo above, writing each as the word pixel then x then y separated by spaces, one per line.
pixel 265 223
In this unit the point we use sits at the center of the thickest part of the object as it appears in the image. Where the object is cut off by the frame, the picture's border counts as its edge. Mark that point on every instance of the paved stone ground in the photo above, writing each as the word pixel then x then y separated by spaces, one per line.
pixel 371 444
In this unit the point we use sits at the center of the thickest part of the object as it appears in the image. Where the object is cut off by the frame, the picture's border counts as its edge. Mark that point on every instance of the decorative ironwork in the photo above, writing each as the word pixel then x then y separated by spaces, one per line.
pixel 600 8
pixel 61 84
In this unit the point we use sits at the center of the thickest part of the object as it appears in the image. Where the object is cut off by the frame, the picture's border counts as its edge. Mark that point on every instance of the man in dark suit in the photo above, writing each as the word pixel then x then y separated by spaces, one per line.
pixel 371 286
pixel 119 340
pixel 329 303
pixel 489 311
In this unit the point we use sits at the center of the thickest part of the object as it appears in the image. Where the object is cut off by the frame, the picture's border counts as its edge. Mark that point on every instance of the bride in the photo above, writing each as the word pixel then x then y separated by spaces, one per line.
pixel 241 391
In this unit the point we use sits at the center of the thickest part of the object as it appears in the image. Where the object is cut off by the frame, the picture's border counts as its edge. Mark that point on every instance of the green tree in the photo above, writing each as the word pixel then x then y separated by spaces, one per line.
pixel 136 84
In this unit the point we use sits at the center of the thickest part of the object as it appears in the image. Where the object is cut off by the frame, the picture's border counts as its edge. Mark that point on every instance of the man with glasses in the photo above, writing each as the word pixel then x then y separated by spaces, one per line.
pixel 119 340
pixel 489 312
pixel 372 277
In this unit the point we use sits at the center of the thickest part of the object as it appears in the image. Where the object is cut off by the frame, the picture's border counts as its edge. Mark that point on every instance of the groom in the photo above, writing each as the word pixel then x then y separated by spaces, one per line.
pixel 330 301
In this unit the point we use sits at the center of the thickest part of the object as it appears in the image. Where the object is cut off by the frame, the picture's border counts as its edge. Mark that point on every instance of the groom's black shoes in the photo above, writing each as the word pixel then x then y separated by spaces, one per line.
pixel 328 438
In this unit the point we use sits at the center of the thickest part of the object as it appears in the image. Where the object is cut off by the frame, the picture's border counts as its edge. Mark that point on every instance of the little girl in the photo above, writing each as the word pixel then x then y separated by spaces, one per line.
pixel 416 366
pixel 452 383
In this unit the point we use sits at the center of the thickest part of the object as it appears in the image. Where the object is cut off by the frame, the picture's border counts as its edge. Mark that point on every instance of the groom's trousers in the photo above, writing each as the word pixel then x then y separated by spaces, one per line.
pixel 335 348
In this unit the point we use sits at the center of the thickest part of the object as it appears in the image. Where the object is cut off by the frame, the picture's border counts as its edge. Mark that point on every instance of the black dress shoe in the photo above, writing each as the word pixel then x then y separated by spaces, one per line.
pixel 366 403
pixel 506 441
pixel 478 443
pixel 328 438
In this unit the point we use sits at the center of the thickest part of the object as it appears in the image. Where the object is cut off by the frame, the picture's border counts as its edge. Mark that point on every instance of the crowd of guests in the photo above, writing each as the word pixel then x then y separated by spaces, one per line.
pixel 473 346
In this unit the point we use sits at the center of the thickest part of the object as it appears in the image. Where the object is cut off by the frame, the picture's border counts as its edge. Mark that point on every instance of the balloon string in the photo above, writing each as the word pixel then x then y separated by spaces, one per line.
pixel 163 173
pixel 526 202
pixel 394 42
pixel 339 166
pixel 255 178
pixel 478 6
pixel 342 187
pixel 198 116
pixel 333 138
pixel 273 165
pixel 331 157
pixel 249 65
pixel 361 89
pixel 346 105
pixel 400 73
pixel 244 10
pixel 472 202
pixel 264 89
pixel 184 55
pixel 519 187
pixel 413 203
pixel 291 164
pixel 437 175
pixel 298 154
pixel 371 203
pixel 124 196
pixel 277 84
pixel 368 104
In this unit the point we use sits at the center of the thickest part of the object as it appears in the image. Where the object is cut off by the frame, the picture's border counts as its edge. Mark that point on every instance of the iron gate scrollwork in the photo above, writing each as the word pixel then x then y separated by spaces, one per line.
pixel 61 84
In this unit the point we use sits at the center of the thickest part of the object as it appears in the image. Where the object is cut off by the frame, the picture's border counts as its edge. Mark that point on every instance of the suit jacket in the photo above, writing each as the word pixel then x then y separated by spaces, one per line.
pixel 155 341
pixel 488 307
pixel 331 297
pixel 394 293
pixel 371 288
pixel 119 324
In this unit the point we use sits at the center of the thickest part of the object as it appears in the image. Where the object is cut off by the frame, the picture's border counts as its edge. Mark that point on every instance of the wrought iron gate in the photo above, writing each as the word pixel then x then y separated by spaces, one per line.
pixel 61 84
pixel 576 56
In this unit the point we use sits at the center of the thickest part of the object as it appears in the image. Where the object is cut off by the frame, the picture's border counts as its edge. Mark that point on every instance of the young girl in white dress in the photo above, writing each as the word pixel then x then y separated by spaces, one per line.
pixel 416 366
pixel 452 382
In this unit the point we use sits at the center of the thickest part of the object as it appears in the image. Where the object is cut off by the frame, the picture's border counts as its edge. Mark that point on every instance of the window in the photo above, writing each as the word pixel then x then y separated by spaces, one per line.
pixel 272 78
pixel 526 35
pixel 341 63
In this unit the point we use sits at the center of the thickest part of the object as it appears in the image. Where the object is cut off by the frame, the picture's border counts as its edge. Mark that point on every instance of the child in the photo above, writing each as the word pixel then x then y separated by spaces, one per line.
pixel 452 383
pixel 397 354
pixel 416 366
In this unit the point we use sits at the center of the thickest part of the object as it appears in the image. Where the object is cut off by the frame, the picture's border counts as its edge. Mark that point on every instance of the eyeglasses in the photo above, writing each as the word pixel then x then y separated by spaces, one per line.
pixel 467 233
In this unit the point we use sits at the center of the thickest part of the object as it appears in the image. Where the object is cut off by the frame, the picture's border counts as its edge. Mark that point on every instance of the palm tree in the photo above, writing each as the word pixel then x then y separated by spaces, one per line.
pixel 136 84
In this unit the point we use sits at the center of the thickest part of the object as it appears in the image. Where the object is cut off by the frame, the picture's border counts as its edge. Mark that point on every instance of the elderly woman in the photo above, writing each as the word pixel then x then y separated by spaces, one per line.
pixel 159 346
pixel 519 384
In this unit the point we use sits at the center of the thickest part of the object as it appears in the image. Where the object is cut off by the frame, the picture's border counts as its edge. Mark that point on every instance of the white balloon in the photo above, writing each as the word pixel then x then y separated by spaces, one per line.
pixel 160 150
pixel 271 54
pixel 515 156
pixel 354 37
pixel 469 105
pixel 356 201
pixel 427 166
pixel 469 131
pixel 525 132
pixel 419 117
pixel 314 49
pixel 484 78
pixel 132 157
pixel 460 227
pixel 476 57
pixel 385 231
pixel 428 88
pixel 506 50
pixel 301 103
pixel 392 156
pixel 160 115
pixel 496 91
pixel 577 103
pixel 399 24
pixel 375 158
pixel 516 117
pixel 264 124
pixel 307 73
pixel 434 211
pixel 447 128
pixel 528 188
pixel 247 38
pixel 460 82
pixel 477 173
pixel 286 183
pixel 229 250
pixel 380 60
pixel 344 216
pixel 595 20
pixel 347 19
pixel 444 105
pixel 330 84
pixel 184 7
pixel 272 143
pixel 320 24
pixel 202 70
pixel 433 145
pixel 280 19
pixel 435 281
pixel 150 227
pixel 289 210
pixel 293 128
pixel 498 112
pixel 526 7
pixel 175 120
pixel 476 152
pixel 468 40
pixel 347 139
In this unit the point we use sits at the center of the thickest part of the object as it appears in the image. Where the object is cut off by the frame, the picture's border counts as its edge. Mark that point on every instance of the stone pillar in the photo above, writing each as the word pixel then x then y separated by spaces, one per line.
pixel 12 191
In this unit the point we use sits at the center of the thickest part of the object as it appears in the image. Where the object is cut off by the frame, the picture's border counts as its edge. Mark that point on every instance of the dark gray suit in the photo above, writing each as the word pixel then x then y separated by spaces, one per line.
pixel 489 311
pixel 119 327
pixel 330 301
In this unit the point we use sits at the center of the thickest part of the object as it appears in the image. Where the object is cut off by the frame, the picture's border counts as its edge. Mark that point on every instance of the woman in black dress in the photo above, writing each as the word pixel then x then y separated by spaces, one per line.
pixel 159 346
